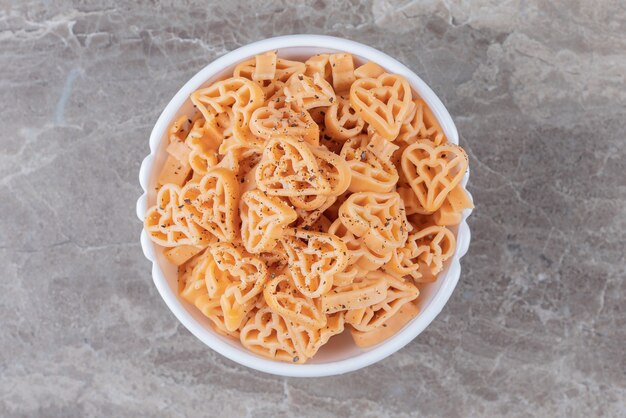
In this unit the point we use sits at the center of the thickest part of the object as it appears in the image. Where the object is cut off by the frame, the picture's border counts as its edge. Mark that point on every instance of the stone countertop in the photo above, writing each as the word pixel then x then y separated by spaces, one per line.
pixel 537 324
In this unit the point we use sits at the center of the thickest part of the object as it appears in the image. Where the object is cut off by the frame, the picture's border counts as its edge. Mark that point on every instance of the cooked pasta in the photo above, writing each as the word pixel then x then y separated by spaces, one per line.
pixel 302 199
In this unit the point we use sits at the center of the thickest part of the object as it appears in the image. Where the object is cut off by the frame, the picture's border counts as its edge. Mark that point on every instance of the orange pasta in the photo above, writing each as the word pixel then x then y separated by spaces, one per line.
pixel 302 199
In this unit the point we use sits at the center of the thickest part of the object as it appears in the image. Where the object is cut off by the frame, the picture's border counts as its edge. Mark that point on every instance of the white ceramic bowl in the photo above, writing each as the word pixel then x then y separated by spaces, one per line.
pixel 340 355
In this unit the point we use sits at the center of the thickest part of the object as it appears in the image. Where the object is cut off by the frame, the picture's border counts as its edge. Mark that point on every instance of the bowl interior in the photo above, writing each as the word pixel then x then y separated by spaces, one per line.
pixel 340 347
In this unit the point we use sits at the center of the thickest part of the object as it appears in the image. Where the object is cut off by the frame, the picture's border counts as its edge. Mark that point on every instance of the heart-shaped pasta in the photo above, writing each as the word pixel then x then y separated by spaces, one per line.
pixel 369 172
pixel 236 95
pixel 433 171
pixel 336 172
pixel 239 93
pixel 212 203
pixel 433 246
pixel 279 118
pixel 309 340
pixel 378 218
pixel 289 168
pixel 404 260
pixel 399 292
pixel 204 140
pixel 422 124
pixel 341 120
pixel 383 102
pixel 360 255
pixel 282 295
pixel 263 220
pixel 192 279
pixel 314 258
pixel 267 334
pixel 167 225
pixel 245 276
pixel 308 92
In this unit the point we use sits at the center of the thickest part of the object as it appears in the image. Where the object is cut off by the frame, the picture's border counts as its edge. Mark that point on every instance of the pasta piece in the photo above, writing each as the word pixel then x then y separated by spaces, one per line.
pixel 193 289
pixel 212 203
pixel 405 314
pixel 204 140
pixel 431 247
pixel 246 275
pixel 422 124
pixel 399 292
pixel 382 102
pixel 308 92
pixel 179 150
pixel 358 295
pixel 290 168
pixel 361 258
pixel 180 254
pixel 341 120
pixel 278 118
pixel 377 217
pixel 369 70
pixel 319 64
pixel 369 172
pixel 433 171
pixel 174 172
pixel 240 94
pixel 282 295
pixel 309 340
pixel 167 225
pixel 451 211
pixel 265 66
pixel 267 334
pixel 335 171
pixel 343 71
pixel 263 220
pixel 314 258
pixel 180 129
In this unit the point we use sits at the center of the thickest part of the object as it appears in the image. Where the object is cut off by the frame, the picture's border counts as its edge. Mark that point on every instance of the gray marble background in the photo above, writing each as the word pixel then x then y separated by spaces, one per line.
pixel 537 325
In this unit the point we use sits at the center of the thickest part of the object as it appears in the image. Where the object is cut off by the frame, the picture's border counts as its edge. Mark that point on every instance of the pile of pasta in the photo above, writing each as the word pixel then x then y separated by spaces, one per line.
pixel 304 198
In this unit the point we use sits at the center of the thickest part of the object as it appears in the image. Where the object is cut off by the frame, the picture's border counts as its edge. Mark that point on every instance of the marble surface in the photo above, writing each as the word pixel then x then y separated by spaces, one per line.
pixel 537 325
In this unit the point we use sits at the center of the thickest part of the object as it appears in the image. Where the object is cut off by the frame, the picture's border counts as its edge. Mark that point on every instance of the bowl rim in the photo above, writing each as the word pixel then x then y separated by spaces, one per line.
pixel 209 337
